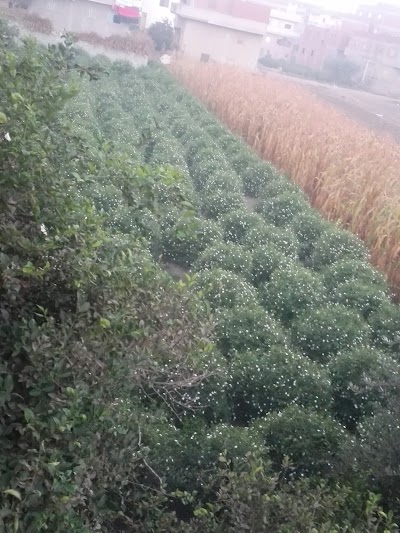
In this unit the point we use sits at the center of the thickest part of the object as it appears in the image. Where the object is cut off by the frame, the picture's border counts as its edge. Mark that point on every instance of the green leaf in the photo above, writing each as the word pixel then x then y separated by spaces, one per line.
pixel 104 323
pixel 12 492
pixel 3 118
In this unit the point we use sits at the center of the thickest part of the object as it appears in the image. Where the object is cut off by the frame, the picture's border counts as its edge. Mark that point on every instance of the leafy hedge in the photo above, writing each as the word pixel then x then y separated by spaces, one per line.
pixel 115 398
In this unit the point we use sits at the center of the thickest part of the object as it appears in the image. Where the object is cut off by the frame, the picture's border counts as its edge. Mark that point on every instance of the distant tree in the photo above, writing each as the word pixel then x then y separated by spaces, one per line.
pixel 162 34
pixel 340 70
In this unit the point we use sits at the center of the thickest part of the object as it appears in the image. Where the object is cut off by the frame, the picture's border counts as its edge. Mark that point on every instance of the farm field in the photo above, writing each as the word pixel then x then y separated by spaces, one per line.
pixel 348 172
pixel 381 114
pixel 259 392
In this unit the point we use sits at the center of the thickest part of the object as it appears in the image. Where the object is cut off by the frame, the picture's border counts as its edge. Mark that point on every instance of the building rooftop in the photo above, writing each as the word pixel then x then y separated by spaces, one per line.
pixel 216 18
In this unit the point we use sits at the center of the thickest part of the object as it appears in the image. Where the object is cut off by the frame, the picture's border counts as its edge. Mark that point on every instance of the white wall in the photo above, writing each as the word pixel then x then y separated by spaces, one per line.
pixel 222 44
pixel 152 11
pixel 79 16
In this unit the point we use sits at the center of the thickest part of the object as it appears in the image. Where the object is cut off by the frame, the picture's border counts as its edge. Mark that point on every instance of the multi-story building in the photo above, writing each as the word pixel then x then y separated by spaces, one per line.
pixel 284 30
pixel 381 18
pixel 326 40
pixel 378 56
pixel 227 31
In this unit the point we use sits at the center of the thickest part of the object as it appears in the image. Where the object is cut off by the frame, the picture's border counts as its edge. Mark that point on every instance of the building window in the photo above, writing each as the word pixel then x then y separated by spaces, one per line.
pixel 91 13
pixel 205 58
pixel 164 3
pixel 312 53
pixel 288 26
pixel 284 42
pixel 304 51
pixel 51 6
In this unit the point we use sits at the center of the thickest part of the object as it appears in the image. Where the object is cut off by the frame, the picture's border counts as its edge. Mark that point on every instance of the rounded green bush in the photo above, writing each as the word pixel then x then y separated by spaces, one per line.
pixel 247 328
pixel 125 220
pixel 356 383
pixel 216 204
pixel 183 455
pixel 310 439
pixel 347 270
pixel 267 259
pixel 168 215
pixel 291 290
pixel 216 130
pixel 334 245
pixel 262 382
pixel 323 332
pixel 362 297
pixel 179 127
pixel 231 144
pixel 105 197
pixel 280 210
pixel 167 151
pixel 281 238
pixel 237 224
pixel 228 256
pixel 308 226
pixel 280 185
pixel 184 245
pixel 255 177
pixel 204 171
pixel 242 160
pixel 196 141
pixel 385 326
pixel 225 289
pixel 222 180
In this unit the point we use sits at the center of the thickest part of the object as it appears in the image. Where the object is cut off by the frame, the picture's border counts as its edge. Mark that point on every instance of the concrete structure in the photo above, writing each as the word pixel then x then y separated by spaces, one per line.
pixel 81 15
pixel 379 59
pixel 326 40
pixel 316 45
pixel 284 30
pixel 226 31
pixel 156 11
pixel 381 18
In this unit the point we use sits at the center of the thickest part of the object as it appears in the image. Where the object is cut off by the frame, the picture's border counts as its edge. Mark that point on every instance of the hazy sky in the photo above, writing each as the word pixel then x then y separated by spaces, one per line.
pixel 350 5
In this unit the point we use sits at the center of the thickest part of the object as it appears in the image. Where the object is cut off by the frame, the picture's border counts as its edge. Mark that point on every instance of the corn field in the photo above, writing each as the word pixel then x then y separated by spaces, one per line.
pixel 349 173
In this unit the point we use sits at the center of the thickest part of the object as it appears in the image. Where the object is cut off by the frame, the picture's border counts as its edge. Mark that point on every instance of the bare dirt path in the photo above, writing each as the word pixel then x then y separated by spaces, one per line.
pixel 379 113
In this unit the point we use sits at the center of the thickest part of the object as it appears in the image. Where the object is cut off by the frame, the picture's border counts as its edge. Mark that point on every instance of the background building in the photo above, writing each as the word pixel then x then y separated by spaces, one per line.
pixel 378 56
pixel 229 31
pixel 284 30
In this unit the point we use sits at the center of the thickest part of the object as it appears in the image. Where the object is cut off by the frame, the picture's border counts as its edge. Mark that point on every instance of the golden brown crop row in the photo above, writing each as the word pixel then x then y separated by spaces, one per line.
pixel 349 173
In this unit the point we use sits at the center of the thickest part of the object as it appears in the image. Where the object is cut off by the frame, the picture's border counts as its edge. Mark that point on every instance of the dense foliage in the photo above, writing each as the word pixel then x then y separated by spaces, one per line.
pixel 236 399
